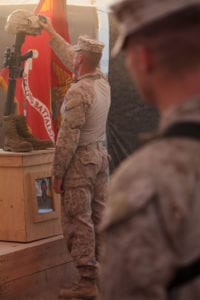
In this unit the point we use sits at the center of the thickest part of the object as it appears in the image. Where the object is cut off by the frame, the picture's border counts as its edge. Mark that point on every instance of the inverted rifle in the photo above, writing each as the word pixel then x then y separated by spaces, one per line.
pixel 13 60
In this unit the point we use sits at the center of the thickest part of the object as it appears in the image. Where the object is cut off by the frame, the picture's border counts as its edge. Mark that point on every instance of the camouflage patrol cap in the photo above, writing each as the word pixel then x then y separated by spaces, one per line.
pixel 90 45
pixel 133 15
pixel 22 20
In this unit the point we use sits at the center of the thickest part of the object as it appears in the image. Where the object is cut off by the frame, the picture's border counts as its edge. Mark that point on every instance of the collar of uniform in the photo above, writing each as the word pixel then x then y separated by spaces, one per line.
pixel 95 75
pixel 187 111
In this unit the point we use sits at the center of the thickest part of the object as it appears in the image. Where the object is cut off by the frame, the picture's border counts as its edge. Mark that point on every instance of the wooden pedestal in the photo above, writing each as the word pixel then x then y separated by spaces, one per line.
pixel 36 270
pixel 21 219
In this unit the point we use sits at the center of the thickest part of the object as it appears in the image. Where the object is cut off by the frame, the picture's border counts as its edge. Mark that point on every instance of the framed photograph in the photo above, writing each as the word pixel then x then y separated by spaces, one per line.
pixel 45 203
pixel 44 195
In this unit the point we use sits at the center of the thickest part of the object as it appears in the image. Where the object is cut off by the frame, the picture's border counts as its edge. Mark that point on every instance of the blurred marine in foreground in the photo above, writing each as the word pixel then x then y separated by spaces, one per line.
pixel 152 224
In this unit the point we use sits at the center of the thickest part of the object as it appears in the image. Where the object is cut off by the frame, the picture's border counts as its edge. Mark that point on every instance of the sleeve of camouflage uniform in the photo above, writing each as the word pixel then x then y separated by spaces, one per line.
pixel 63 50
pixel 139 257
pixel 73 118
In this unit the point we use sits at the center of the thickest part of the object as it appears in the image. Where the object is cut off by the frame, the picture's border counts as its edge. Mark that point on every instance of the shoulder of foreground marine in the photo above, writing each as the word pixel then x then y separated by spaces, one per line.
pixel 80 93
pixel 130 191
pixel 148 175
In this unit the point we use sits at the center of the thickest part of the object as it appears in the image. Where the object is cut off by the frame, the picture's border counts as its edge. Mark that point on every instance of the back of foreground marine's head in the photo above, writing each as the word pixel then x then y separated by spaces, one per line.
pixel 169 28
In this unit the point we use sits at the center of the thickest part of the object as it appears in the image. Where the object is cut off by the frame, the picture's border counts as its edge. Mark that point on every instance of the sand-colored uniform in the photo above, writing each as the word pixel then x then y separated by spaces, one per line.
pixel 81 160
pixel 152 223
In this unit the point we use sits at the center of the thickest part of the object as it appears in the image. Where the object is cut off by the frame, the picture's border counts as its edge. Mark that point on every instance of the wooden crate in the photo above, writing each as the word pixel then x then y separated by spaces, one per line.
pixel 20 217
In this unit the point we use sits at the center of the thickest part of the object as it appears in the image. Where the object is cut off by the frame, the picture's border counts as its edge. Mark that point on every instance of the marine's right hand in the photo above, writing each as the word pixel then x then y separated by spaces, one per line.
pixel 57 185
pixel 46 24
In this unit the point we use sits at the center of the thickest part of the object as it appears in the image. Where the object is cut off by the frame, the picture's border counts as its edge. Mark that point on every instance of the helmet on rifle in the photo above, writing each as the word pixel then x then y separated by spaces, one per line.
pixel 22 20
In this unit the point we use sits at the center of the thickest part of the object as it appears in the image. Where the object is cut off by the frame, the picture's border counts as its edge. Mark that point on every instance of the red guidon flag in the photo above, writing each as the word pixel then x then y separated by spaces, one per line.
pixel 45 79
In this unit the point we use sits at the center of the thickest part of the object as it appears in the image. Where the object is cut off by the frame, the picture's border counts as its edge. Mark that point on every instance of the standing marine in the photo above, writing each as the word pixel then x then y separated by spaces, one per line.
pixel 81 159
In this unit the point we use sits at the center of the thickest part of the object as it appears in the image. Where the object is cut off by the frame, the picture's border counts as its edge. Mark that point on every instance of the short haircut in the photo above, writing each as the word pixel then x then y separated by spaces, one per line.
pixel 92 59
pixel 174 40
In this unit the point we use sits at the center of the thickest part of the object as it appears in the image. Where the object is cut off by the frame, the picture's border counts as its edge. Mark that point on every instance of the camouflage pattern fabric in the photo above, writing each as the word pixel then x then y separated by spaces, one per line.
pixel 82 206
pixel 84 118
pixel 151 225
pixel 63 50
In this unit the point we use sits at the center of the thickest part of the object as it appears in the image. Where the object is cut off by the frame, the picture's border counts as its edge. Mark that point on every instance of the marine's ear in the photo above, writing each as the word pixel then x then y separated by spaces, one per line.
pixel 144 58
pixel 139 62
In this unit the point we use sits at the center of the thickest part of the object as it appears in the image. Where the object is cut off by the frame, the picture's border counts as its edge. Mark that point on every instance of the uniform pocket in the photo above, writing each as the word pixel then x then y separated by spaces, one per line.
pixel 89 157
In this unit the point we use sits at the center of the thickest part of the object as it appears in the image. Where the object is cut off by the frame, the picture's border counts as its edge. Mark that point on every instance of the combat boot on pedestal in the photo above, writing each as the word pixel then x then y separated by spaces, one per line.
pixel 12 141
pixel 24 132
pixel 85 289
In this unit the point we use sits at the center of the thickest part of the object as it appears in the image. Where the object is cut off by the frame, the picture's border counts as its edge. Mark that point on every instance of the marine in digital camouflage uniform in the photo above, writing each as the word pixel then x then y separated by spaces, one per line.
pixel 152 222
pixel 81 160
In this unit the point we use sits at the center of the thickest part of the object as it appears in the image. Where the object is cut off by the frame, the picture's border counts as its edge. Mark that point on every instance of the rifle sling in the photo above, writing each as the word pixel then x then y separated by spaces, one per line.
pixel 183 130
pixel 185 274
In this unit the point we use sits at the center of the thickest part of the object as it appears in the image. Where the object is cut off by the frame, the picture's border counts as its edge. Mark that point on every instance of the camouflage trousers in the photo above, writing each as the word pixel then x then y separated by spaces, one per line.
pixel 83 203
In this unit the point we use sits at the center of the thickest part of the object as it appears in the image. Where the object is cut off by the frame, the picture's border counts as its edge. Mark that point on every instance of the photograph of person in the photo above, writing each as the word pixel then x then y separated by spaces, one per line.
pixel 44 196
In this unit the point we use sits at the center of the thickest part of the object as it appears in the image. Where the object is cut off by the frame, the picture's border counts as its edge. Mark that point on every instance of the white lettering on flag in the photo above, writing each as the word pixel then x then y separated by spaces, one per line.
pixel 40 107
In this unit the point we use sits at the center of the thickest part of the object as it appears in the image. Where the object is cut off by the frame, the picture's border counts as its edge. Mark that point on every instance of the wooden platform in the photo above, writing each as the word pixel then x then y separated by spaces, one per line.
pixel 35 271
